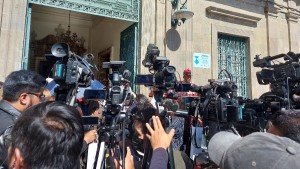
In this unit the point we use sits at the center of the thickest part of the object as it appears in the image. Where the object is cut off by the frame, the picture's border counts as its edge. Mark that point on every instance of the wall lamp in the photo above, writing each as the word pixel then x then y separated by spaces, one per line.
pixel 180 15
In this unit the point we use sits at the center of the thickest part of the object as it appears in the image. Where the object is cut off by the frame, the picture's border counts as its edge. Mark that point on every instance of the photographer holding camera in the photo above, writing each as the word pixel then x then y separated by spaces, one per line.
pixel 21 90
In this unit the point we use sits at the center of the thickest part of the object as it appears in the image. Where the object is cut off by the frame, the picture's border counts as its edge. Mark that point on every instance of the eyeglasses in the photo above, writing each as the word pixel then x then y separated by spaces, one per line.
pixel 39 95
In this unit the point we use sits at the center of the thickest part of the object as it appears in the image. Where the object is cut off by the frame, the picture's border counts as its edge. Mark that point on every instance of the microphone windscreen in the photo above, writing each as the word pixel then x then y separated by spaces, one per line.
pixel 126 74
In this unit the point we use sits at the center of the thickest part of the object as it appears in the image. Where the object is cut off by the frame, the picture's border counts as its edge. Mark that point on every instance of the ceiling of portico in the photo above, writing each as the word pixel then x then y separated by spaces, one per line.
pixel 55 15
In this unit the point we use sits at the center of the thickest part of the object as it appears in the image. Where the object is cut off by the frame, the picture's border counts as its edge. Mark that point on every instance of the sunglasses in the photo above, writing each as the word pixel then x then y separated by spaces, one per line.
pixel 39 95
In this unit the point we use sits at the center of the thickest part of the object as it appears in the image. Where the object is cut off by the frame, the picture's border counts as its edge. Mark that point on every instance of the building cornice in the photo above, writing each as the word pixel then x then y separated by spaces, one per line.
pixel 232 14
pixel 292 15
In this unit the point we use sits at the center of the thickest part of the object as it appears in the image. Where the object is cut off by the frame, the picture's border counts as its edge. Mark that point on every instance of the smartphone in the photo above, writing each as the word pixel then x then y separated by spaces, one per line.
pixel 90 120
pixel 146 80
pixel 95 94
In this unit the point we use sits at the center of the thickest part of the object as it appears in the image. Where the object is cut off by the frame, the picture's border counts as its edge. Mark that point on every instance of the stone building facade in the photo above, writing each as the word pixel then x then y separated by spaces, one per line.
pixel 260 27
pixel 266 27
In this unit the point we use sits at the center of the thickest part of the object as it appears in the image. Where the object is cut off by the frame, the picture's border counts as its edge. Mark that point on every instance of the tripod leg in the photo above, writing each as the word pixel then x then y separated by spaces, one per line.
pixel 92 155
pixel 171 157
pixel 101 159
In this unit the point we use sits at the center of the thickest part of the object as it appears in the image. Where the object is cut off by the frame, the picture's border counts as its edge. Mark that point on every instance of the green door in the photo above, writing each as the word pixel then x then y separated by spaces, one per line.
pixel 129 51
pixel 232 57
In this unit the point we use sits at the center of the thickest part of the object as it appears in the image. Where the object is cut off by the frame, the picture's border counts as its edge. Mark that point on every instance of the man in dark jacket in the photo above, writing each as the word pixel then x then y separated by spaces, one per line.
pixel 21 90
pixel 47 136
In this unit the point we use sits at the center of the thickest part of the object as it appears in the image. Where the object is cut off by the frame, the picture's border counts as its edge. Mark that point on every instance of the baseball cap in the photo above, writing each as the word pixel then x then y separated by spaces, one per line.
pixel 257 150
pixel 187 71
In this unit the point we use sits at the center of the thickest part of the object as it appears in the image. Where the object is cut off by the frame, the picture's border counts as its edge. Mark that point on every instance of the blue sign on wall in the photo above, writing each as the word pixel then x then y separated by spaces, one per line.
pixel 201 60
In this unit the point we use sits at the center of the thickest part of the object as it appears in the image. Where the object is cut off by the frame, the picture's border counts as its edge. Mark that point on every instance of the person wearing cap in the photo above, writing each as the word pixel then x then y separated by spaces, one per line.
pixel 187 75
pixel 257 150
pixel 187 79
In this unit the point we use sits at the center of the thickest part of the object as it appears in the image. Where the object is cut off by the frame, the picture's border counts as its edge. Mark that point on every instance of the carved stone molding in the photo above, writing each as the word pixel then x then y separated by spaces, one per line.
pixel 231 14
pixel 292 16
pixel 120 9
pixel 272 9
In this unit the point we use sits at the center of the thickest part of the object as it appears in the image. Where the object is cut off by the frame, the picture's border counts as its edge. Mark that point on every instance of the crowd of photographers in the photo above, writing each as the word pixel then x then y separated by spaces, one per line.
pixel 37 132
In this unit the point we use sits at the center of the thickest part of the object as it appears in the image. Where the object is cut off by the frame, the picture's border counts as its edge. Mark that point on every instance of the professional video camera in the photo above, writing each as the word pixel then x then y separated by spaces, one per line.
pixel 111 129
pixel 162 78
pixel 70 71
pixel 218 105
pixel 223 110
pixel 283 77
pixel 256 112
pixel 117 93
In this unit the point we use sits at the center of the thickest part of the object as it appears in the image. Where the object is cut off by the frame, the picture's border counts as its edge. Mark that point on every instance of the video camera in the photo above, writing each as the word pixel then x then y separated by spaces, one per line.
pixel 256 113
pixel 284 83
pixel 283 78
pixel 162 76
pixel 218 104
pixel 275 73
pixel 70 71
pixel 118 93
pixel 112 130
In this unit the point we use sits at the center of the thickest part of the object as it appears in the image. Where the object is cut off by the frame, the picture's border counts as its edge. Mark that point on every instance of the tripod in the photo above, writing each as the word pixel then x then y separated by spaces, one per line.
pixel 109 138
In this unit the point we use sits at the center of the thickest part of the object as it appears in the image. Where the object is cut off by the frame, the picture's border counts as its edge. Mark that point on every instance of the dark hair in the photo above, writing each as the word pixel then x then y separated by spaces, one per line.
pixel 288 123
pixel 22 81
pixel 144 115
pixel 49 136
pixel 140 100
pixel 138 103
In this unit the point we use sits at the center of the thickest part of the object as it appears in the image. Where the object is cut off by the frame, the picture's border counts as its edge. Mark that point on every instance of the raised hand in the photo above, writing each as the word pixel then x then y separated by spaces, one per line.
pixel 158 136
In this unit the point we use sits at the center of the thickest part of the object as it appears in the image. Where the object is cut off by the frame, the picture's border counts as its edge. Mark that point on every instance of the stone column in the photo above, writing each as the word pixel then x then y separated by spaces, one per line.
pixel 292 17
pixel 12 27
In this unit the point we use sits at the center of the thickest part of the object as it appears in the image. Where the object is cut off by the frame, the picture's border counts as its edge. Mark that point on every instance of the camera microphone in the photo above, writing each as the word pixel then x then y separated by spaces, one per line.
pixel 89 58
pixel 124 77
pixel 126 74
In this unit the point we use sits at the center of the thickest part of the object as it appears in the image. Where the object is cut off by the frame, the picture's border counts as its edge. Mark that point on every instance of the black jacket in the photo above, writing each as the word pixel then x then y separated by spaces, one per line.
pixel 8 116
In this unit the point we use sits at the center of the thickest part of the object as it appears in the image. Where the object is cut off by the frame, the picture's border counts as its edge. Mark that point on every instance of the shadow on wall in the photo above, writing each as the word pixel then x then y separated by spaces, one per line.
pixel 172 39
